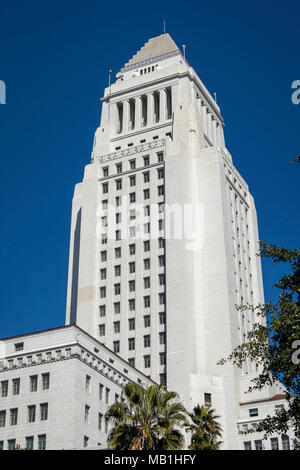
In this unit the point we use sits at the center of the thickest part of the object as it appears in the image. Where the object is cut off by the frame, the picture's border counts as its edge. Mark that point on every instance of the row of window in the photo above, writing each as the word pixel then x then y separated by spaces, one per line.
pixel 117 291
pixel 29 443
pixel 258 444
pixel 132 196
pixel 31 415
pixel 33 384
pixel 119 167
pixel 131 341
pixel 132 178
pixel 132 251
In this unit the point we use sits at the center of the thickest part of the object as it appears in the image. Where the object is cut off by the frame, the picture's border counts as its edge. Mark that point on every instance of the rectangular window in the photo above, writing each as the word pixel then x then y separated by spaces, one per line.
pixel 119 168
pixel 147 362
pixel 117 307
pixel 116 327
pixel 88 383
pixel 132 180
pixel 132 214
pixel 14 416
pixel 147 282
pixel 85 441
pixel 274 443
pixel 258 444
pixel 147 263
pixel 147 245
pixel 118 201
pixel 131 344
pixel 162 318
pixel 161 243
pixel 4 388
pixel 147 341
pixel 162 337
pixel 101 391
pixel 161 278
pixel 132 164
pixel 87 414
pixel 1 445
pixel 131 304
pixel 285 442
pixel 42 442
pixel 2 418
pixel 147 301
pixel 105 204
pixel 102 310
pixel 163 379
pixel 103 274
pixel 131 324
pixel 207 399
pixel 253 412
pixel 132 249
pixel 132 232
pixel 131 286
pixel 161 296
pixel 160 173
pixel 117 288
pixel 118 218
pixel 146 177
pixel 146 160
pixel 146 211
pixel 118 184
pixel 106 425
pixel 132 267
pixel 46 381
pixel 118 252
pixel 16 386
pixel 103 256
pixel 131 361
pixel 19 346
pixel 147 321
pixel 105 188
pixel 33 383
pixel 107 390
pixel 103 238
pixel 29 442
pixel 131 198
pixel 102 329
pixel 105 171
pixel 11 444
pixel 147 227
pixel 160 190
pixel 160 157
pixel 161 260
pixel 146 193
pixel 116 345
pixel 118 234
pixel 162 359
pixel 44 411
pixel 118 270
pixel 31 413
pixel 102 292
pixel 247 445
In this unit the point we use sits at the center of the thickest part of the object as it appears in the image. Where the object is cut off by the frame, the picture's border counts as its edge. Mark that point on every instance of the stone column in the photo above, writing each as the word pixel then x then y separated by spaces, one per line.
pixel 138 112
pixel 149 109
pixel 125 116
pixel 162 105
pixel 214 131
pixel 208 117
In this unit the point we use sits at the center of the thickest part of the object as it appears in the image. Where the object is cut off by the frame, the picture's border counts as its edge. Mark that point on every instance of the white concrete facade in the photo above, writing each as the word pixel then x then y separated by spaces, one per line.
pixel 172 313
pixel 61 382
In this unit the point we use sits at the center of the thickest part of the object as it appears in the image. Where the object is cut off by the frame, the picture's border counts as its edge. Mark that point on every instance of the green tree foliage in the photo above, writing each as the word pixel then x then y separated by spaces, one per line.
pixel 274 343
pixel 205 429
pixel 148 419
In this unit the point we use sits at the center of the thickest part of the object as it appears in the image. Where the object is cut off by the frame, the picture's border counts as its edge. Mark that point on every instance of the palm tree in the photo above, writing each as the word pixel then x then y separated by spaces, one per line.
pixel 146 419
pixel 205 429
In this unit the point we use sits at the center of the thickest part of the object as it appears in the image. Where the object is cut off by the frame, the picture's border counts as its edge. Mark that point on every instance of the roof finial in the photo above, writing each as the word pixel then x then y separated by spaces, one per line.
pixel 183 47
pixel 164 28
pixel 215 95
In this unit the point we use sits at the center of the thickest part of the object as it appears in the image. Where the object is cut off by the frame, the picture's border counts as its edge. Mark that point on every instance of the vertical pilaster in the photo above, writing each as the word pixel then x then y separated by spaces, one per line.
pixel 138 112
pixel 149 109
pixel 125 116
pixel 162 105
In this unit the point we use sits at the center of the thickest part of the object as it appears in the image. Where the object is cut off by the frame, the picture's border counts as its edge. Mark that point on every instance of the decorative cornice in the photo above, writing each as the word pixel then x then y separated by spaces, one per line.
pixel 131 151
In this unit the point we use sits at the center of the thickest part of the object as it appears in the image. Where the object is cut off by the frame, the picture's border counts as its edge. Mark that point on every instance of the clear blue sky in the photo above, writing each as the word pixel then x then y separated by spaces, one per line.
pixel 55 58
